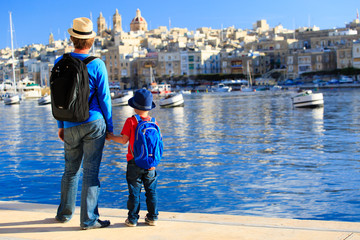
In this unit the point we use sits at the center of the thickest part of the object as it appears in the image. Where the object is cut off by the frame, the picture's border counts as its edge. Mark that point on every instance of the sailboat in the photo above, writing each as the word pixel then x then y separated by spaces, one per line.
pixel 249 87
pixel 13 98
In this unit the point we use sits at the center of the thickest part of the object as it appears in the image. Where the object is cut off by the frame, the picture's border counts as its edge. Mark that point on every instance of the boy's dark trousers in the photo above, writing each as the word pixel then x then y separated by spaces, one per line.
pixel 136 177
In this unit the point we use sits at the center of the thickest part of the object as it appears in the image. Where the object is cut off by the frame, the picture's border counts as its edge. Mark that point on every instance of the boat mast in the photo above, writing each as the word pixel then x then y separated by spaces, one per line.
pixel 151 75
pixel 249 74
pixel 12 53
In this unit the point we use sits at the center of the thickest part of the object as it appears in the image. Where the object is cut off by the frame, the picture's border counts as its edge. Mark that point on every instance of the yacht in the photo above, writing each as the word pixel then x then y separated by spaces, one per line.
pixel 29 89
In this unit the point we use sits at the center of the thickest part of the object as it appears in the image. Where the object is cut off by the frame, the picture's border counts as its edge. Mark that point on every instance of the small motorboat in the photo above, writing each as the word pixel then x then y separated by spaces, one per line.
pixel 46 99
pixel 222 88
pixel 275 88
pixel 122 98
pixel 308 99
pixel 172 100
pixel 11 99
pixel 185 91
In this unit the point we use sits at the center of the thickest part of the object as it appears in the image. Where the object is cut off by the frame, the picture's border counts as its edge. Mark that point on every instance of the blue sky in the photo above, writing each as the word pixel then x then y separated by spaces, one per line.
pixel 34 20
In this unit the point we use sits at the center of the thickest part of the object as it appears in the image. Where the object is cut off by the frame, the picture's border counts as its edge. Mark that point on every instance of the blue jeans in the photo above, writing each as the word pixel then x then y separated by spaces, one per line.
pixel 83 144
pixel 136 177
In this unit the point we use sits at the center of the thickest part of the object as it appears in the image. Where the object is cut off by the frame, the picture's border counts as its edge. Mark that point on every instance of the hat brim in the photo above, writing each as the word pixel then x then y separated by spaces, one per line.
pixel 87 36
pixel 133 105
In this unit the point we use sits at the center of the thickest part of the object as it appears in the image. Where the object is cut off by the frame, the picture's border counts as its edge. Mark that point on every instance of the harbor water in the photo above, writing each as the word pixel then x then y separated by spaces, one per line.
pixel 225 153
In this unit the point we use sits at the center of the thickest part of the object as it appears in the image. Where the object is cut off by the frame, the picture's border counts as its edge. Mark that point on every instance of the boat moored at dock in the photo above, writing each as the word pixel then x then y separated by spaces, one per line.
pixel 11 99
pixel 44 100
pixel 308 99
pixel 172 100
pixel 121 98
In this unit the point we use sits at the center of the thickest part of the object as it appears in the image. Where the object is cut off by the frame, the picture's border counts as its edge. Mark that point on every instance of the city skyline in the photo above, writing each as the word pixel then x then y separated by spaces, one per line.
pixel 34 21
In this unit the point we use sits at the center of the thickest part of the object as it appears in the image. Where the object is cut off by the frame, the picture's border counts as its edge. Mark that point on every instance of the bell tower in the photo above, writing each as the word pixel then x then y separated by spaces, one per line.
pixel 117 22
pixel 101 24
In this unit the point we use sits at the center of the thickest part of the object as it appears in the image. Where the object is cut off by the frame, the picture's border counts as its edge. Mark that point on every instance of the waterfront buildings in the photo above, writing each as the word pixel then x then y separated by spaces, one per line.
pixel 137 57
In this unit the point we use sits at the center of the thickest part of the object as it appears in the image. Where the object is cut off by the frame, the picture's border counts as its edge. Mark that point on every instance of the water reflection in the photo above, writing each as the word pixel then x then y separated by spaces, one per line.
pixel 228 153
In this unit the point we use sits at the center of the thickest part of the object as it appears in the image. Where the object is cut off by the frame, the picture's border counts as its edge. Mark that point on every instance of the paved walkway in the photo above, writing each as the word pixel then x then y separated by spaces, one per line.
pixel 36 221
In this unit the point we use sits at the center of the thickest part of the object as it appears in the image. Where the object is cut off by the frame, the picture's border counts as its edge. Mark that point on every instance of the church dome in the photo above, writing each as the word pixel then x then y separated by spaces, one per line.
pixel 138 23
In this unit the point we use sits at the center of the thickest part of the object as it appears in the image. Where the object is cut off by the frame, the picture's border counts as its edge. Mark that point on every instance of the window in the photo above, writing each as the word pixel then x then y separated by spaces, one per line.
pixel 290 60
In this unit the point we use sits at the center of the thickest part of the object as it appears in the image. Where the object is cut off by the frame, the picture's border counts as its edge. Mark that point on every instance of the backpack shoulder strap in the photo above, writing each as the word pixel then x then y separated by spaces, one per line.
pixel 89 59
pixel 138 118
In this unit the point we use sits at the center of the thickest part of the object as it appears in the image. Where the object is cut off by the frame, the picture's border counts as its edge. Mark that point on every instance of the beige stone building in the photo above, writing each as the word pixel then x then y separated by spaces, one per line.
pixel 145 70
pixel 169 64
pixel 310 60
pixel 200 61
pixel 356 54
pixel 118 61
pixel 261 26
pixel 344 57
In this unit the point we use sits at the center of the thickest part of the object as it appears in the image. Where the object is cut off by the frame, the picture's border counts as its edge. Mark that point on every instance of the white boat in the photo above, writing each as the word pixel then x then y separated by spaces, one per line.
pixel 172 100
pixel 6 86
pixel 11 99
pixel 161 89
pixel 29 89
pixel 308 99
pixel 249 87
pixel 122 98
pixel 222 88
pixel 46 99
pixel 276 88
pixel 185 91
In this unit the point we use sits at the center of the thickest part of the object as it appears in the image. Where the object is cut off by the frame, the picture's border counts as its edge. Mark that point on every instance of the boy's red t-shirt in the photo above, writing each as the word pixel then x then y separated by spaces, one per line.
pixel 129 130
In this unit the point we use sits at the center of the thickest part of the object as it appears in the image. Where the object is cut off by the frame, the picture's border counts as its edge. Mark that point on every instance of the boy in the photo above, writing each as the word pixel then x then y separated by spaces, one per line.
pixel 142 102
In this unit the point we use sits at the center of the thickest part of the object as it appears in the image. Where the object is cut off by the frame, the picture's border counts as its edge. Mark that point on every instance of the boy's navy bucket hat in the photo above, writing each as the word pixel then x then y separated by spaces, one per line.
pixel 142 100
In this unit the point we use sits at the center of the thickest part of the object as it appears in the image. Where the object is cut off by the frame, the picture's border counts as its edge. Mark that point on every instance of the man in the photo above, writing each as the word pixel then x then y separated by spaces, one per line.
pixel 84 141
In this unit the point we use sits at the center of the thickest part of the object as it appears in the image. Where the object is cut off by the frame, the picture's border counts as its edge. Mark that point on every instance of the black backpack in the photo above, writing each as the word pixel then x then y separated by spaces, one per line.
pixel 70 90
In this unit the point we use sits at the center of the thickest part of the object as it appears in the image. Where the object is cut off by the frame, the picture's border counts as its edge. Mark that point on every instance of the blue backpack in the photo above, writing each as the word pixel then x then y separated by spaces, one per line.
pixel 148 145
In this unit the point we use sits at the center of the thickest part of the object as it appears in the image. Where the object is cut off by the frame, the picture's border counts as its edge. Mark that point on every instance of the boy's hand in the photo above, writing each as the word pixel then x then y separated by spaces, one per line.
pixel 61 134
pixel 109 135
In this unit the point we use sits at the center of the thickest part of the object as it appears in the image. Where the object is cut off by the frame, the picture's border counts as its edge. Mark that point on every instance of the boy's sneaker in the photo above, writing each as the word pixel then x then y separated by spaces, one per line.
pixel 129 223
pixel 150 222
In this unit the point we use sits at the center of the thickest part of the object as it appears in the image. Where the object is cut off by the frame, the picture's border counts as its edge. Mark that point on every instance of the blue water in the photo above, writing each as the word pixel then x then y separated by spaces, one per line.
pixel 225 153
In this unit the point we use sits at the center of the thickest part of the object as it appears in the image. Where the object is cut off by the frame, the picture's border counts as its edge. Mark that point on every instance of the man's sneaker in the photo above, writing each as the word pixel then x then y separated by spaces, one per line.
pixel 98 224
pixel 61 220
pixel 129 223
pixel 150 222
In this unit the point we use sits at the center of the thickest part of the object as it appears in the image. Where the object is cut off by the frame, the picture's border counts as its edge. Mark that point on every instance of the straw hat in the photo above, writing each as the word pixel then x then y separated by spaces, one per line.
pixel 82 28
